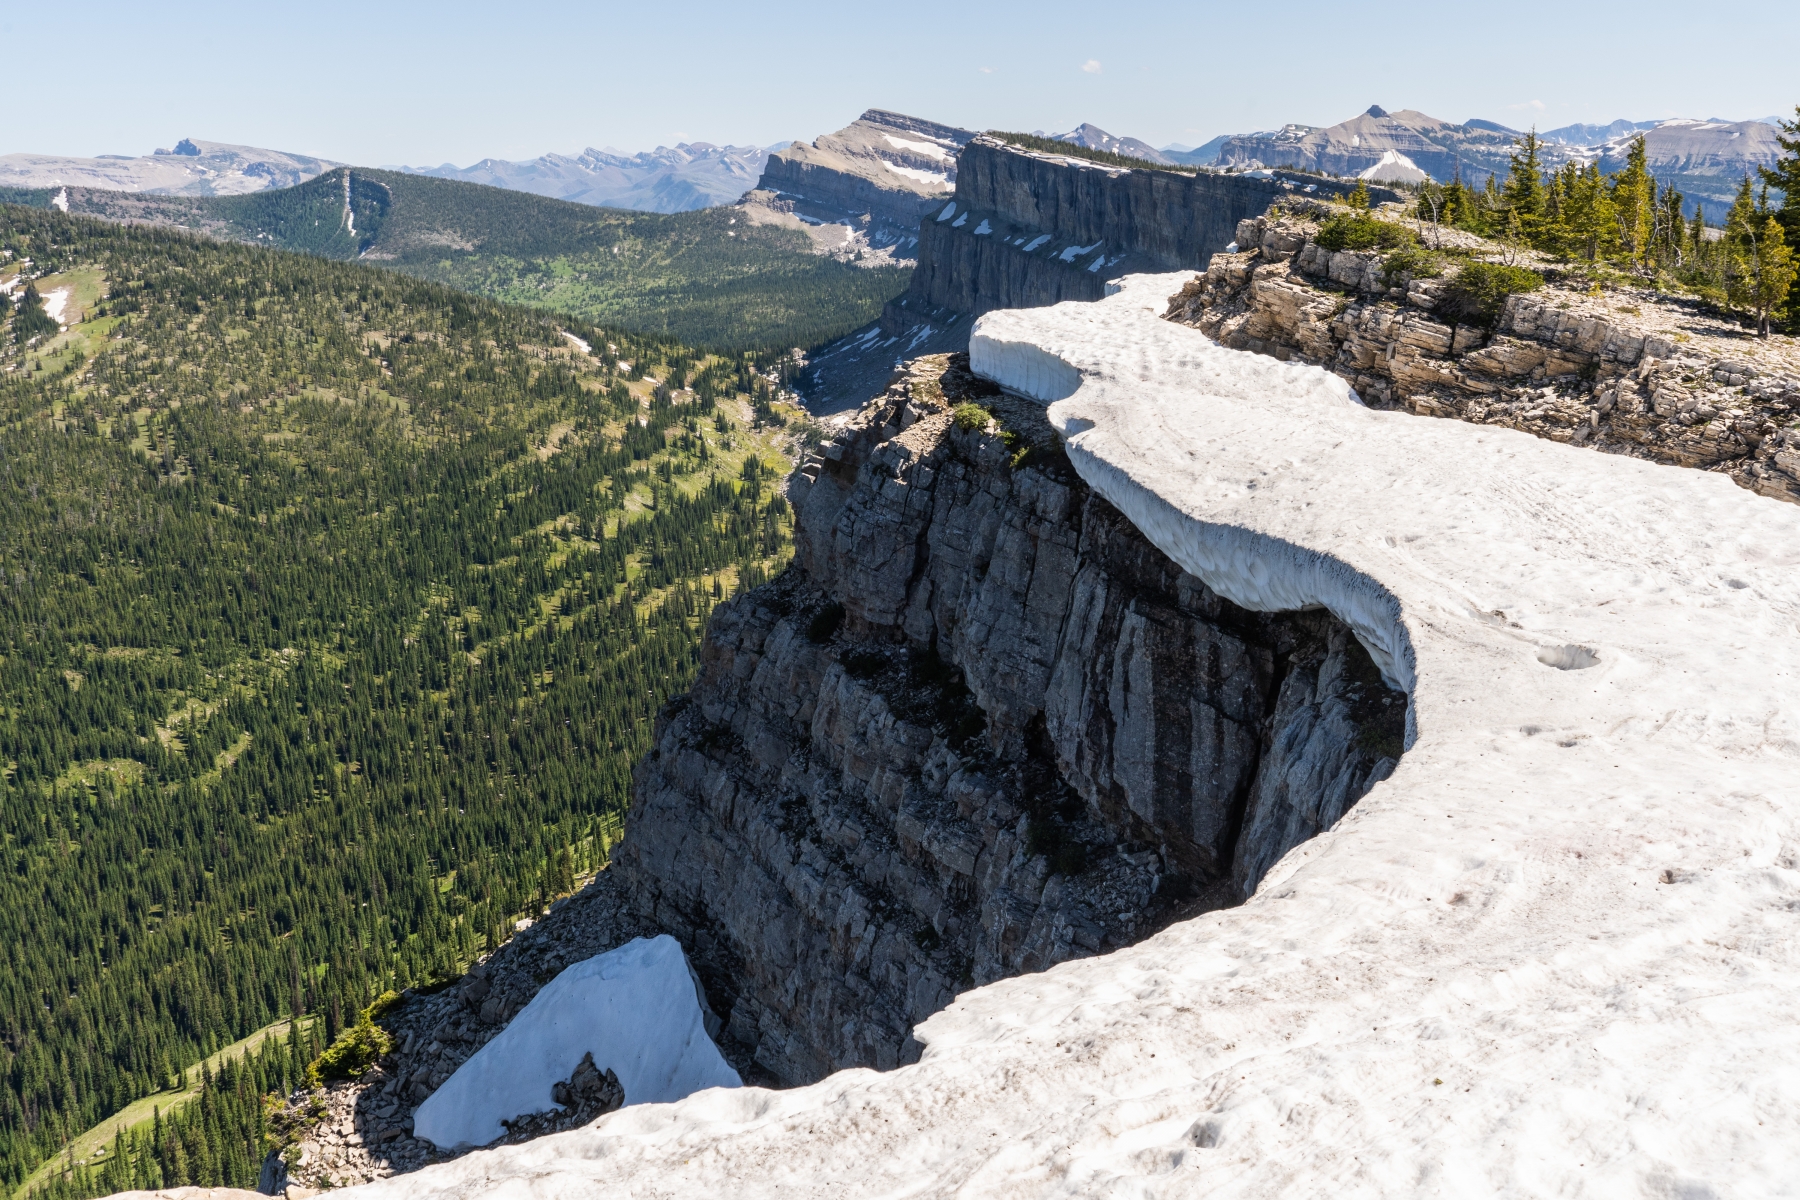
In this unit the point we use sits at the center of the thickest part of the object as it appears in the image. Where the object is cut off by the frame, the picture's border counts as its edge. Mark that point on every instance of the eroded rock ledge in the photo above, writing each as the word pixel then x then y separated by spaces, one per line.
pixel 1631 372
pixel 981 727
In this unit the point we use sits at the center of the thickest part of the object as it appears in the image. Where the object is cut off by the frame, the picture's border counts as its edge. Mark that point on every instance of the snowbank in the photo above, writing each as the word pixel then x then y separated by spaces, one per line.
pixel 636 1009
pixel 1556 953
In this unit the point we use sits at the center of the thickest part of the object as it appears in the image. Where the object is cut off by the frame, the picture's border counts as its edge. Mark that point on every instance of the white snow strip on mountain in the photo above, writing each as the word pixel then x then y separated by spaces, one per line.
pixel 1555 953
pixel 928 149
pixel 1075 252
pixel 636 1009
pixel 56 304
pixel 917 175
pixel 982 228
pixel 949 211
pixel 1037 241
pixel 1394 166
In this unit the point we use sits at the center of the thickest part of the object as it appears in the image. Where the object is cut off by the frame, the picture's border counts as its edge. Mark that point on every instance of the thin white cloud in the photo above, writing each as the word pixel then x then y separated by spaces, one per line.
pixel 1091 66
pixel 1533 105
pixel 987 70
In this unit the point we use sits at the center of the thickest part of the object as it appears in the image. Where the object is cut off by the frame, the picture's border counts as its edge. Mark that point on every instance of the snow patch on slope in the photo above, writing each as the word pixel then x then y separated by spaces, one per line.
pixel 636 1009
pixel 928 149
pixel 935 178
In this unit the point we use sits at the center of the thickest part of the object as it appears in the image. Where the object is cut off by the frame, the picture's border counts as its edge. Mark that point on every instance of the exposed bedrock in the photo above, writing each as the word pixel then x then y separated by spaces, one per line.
pixel 1030 229
pixel 1634 372
pixel 980 727
pixel 1026 230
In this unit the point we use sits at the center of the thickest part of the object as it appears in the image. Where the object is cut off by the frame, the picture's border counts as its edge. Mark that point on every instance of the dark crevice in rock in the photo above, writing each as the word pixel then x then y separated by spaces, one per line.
pixel 980 727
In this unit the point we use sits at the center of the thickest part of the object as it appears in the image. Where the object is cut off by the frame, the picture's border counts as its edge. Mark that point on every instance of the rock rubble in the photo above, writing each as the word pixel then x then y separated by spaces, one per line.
pixel 354 1131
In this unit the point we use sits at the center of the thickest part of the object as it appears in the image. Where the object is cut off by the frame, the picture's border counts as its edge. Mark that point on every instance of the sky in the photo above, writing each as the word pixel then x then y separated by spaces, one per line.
pixel 420 84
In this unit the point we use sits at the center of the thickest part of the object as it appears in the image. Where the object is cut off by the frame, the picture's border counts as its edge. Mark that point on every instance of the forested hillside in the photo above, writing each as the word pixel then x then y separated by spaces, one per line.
pixel 708 278
pixel 334 609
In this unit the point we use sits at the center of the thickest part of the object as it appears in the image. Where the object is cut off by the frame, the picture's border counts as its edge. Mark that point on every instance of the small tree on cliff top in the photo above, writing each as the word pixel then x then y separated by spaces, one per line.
pixel 1784 175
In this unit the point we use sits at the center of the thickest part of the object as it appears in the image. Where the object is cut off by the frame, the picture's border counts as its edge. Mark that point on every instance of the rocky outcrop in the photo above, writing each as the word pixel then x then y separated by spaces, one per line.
pixel 1631 371
pixel 354 1131
pixel 1028 229
pixel 980 727
pixel 861 192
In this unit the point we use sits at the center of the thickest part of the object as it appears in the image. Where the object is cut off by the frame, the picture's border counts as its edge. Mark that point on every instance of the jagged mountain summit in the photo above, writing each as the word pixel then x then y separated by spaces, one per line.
pixel 668 179
pixel 191 168
pixel 1704 159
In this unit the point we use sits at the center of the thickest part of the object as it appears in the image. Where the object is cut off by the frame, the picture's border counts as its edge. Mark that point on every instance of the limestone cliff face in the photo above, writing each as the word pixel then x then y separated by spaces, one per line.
pixel 1029 229
pixel 886 167
pixel 980 727
pixel 1632 372
pixel 1026 229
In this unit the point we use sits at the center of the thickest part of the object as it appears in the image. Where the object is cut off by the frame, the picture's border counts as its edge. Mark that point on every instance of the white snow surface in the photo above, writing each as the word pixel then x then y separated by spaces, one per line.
pixel 928 149
pixel 1556 953
pixel 917 175
pixel 634 1008
pixel 1394 166
pixel 56 305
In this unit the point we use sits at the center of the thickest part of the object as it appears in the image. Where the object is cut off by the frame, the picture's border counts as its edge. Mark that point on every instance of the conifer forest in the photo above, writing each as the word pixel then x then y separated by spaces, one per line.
pixel 335 607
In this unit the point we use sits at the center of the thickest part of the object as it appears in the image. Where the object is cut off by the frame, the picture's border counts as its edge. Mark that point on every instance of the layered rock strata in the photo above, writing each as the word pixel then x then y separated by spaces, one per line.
pixel 861 192
pixel 980 727
pixel 1632 371
pixel 1026 229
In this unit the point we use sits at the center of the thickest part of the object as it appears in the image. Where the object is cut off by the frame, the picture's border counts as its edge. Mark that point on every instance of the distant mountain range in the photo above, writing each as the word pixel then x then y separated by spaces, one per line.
pixel 668 179
pixel 1703 159
pixel 192 168
pixel 711 278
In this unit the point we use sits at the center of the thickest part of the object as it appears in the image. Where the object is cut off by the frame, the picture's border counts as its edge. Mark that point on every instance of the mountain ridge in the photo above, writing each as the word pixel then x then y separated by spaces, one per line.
pixel 667 179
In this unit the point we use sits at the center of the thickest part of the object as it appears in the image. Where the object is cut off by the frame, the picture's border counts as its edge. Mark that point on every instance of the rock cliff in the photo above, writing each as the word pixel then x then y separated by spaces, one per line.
pixel 1630 371
pixel 860 192
pixel 1026 229
pixel 980 727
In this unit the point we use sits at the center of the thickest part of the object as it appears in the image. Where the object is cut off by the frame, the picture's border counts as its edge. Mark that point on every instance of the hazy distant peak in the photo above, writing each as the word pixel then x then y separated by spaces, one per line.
pixel 193 168
pixel 1092 137
pixel 667 179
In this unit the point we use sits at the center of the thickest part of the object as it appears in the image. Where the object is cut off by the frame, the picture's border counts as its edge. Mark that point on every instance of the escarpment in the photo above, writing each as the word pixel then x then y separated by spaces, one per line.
pixel 1632 371
pixel 1025 229
pixel 981 726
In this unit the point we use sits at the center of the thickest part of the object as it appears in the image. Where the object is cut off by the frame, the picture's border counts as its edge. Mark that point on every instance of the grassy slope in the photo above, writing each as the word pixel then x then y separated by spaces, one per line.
pixel 96 1141
pixel 363 457
pixel 705 278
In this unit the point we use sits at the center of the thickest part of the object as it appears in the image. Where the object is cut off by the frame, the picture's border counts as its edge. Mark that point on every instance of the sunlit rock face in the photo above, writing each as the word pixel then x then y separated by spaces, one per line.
pixel 1553 952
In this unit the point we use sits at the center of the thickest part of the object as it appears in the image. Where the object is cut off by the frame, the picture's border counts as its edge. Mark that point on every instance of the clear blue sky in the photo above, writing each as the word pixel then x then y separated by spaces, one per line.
pixel 424 83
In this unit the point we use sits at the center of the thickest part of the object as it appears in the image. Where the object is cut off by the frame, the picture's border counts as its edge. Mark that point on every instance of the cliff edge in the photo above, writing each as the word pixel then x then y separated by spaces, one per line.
pixel 1554 951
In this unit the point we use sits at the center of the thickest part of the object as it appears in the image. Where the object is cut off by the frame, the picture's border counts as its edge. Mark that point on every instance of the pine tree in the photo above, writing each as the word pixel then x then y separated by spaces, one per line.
pixel 1634 198
pixel 1784 175
pixel 1524 194
pixel 1771 274
pixel 1592 223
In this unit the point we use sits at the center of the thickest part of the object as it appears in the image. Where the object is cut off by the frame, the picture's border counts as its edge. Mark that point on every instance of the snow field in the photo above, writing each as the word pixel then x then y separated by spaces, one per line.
pixel 636 1009
pixel 1556 953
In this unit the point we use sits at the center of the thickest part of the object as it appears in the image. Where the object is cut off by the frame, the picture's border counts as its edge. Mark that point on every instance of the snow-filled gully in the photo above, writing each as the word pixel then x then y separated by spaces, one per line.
pixel 1557 952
